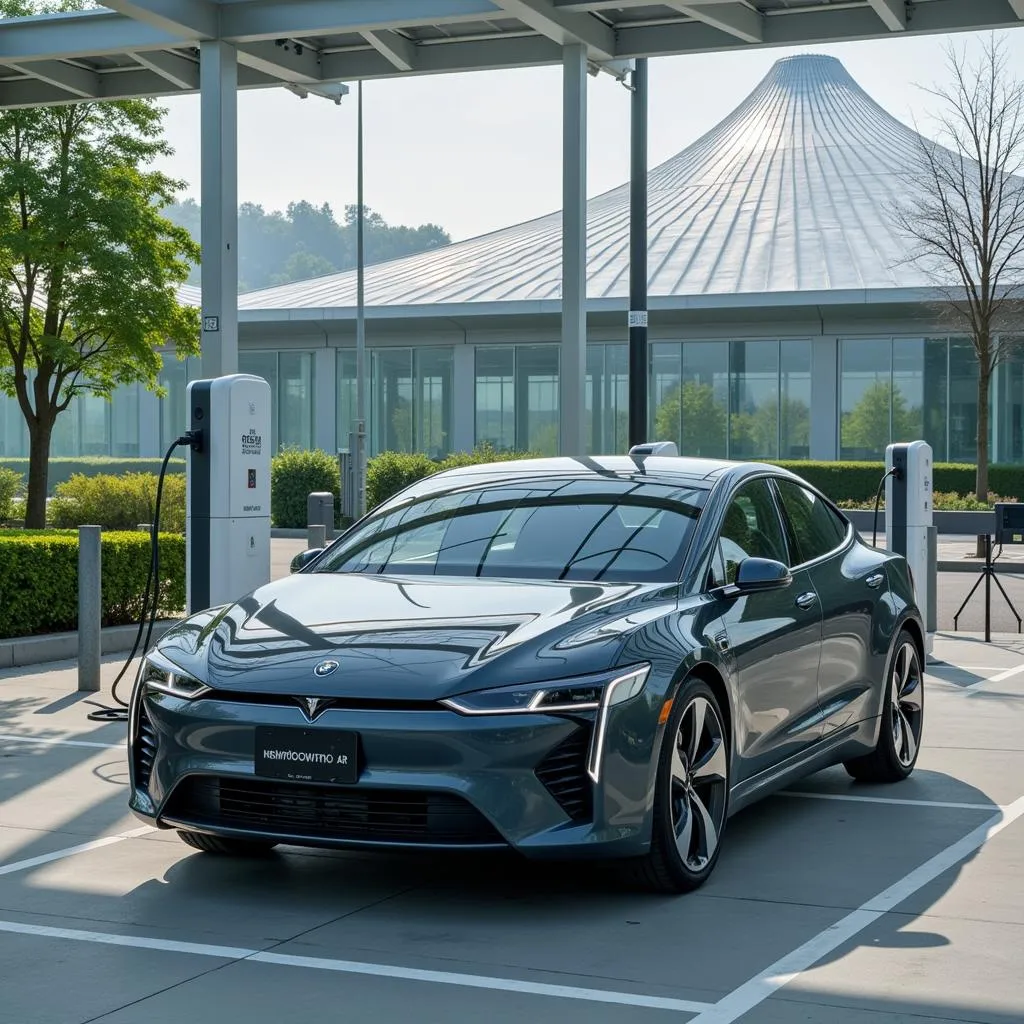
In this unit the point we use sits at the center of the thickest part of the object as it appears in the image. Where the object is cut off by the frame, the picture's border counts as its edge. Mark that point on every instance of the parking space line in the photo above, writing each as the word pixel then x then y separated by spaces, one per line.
pixel 242 955
pixel 945 804
pixel 16 738
pixel 70 851
pixel 753 992
pixel 1000 677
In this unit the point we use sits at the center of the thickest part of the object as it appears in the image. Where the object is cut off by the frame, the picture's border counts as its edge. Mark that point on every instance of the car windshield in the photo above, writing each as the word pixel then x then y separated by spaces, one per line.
pixel 616 530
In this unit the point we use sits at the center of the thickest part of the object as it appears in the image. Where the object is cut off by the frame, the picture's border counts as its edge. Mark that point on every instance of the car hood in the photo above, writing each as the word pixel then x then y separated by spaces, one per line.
pixel 410 638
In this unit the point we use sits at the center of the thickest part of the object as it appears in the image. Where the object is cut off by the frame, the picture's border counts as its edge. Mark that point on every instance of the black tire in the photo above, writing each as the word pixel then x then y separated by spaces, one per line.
pixel 902 721
pixel 225 847
pixel 705 766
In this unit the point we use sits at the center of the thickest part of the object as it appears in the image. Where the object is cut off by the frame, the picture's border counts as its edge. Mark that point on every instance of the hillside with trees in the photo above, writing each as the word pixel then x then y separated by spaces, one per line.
pixel 308 241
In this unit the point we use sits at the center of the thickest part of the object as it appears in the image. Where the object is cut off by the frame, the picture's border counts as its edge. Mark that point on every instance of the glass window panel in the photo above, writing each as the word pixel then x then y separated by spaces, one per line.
pixel 264 364
pixel 666 380
pixel 537 398
pixel 1009 405
pixel 814 528
pixel 963 401
pixel 433 401
pixel 392 414
pixel 908 389
pixel 754 400
pixel 295 398
pixel 66 440
pixel 703 399
pixel 607 399
pixel 124 422
pixel 173 415
pixel 795 400
pixel 495 398
pixel 346 373
pixel 865 397
pixel 936 380
pixel 13 432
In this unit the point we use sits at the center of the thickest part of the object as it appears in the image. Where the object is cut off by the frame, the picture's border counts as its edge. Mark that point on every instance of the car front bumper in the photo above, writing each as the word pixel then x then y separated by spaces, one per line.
pixel 428 779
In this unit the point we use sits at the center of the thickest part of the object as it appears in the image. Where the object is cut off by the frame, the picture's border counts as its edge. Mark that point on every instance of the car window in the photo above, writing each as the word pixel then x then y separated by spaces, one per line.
pixel 814 528
pixel 751 529
pixel 615 530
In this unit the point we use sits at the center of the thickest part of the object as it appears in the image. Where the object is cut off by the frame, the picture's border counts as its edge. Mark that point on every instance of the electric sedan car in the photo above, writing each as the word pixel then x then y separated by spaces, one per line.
pixel 599 657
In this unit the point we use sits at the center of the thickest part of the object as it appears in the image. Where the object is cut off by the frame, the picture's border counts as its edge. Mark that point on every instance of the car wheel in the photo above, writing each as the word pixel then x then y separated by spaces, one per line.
pixel 691 794
pixel 226 847
pixel 899 737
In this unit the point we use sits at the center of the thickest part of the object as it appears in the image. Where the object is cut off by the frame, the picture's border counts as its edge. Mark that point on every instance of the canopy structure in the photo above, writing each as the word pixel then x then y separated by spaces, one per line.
pixel 792 192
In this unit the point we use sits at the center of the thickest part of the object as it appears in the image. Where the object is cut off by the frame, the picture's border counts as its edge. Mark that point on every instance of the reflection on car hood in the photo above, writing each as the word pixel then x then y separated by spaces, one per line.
pixel 410 638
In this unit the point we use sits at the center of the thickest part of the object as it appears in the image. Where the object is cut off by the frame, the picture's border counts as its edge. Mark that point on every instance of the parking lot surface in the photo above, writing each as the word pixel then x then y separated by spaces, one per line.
pixel 835 903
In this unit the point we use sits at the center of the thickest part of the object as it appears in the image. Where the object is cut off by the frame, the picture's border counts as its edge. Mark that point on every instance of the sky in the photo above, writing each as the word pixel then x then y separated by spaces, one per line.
pixel 474 152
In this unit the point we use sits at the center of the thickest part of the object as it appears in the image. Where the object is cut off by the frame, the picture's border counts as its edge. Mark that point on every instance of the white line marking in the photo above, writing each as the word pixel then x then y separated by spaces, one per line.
pixel 15 738
pixel 1007 674
pixel 354 967
pixel 70 851
pixel 782 972
pixel 947 804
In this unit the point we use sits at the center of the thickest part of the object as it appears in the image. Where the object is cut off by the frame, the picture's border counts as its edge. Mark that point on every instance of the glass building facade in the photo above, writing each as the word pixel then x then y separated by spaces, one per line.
pixel 740 399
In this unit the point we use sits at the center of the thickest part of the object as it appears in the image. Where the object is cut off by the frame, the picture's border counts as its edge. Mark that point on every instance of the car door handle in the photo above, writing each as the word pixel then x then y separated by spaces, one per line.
pixel 875 581
pixel 806 600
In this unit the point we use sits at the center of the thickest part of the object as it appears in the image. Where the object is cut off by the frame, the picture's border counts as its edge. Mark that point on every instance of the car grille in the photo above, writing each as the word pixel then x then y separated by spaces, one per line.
pixel 331 812
pixel 145 749
pixel 564 774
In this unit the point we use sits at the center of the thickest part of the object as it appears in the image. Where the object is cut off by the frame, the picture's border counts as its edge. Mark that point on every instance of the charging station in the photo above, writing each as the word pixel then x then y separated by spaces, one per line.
pixel 227 490
pixel 909 519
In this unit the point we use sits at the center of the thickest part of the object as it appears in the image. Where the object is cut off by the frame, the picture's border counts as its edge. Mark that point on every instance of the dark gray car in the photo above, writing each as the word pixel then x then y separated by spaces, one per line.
pixel 601 657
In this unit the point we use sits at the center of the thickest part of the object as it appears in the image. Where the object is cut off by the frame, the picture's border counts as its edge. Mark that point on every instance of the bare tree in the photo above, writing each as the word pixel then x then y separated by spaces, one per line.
pixel 964 212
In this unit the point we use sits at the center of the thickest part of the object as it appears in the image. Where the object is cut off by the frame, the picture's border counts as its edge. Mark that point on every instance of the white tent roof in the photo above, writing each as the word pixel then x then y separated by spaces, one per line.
pixel 790 193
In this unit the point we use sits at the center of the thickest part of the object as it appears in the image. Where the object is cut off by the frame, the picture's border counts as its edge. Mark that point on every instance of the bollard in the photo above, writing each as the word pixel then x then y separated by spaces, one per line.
pixel 316 537
pixel 90 607
pixel 320 511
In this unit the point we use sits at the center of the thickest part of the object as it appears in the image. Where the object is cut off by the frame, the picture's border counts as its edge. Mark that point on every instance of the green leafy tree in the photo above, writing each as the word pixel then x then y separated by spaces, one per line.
pixel 694 418
pixel 866 425
pixel 90 266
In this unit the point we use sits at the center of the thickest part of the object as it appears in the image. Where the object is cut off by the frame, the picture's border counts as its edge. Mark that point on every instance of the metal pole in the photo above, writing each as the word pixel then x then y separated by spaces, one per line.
pixel 988 588
pixel 638 258
pixel 90 607
pixel 360 453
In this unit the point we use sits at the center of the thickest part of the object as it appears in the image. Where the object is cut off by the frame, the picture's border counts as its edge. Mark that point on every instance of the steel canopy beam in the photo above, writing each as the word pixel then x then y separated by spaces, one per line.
pixel 79 82
pixel 189 19
pixel 287 60
pixel 892 12
pixel 82 34
pixel 736 19
pixel 397 49
pixel 179 71
pixel 564 27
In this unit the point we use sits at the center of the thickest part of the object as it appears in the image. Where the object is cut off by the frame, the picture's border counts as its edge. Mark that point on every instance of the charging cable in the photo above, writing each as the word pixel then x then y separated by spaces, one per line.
pixel 151 595
pixel 878 501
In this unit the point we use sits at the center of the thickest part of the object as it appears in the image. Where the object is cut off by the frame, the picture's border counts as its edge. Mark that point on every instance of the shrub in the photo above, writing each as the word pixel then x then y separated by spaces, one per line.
pixel 481 454
pixel 391 472
pixel 39 579
pixel 294 475
pixel 61 469
pixel 10 484
pixel 118 502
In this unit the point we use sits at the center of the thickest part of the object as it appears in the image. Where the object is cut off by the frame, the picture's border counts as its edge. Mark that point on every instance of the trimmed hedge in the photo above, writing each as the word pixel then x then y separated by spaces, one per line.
pixel 858 481
pixel 10 484
pixel 39 579
pixel 62 469
pixel 118 502
pixel 295 474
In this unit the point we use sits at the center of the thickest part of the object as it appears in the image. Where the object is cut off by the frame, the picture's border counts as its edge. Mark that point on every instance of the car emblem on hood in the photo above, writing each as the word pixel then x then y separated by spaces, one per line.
pixel 325 668
pixel 311 705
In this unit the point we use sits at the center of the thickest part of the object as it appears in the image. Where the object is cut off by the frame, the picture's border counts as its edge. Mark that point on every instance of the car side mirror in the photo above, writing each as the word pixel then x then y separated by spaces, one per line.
pixel 755 575
pixel 303 558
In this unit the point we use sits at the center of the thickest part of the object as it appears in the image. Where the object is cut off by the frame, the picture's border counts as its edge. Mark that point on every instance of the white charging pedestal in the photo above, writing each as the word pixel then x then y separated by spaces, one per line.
pixel 228 490
pixel 909 517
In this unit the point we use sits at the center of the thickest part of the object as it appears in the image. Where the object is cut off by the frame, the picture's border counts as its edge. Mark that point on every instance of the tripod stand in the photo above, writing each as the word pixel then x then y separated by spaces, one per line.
pixel 988 574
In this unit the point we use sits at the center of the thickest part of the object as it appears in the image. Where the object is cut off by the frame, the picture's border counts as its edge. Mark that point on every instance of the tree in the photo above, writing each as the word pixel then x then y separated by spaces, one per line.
pixel 867 426
pixel 90 266
pixel 694 418
pixel 964 213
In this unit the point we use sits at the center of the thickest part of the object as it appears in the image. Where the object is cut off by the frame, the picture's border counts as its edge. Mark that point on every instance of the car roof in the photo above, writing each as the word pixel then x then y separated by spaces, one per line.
pixel 675 470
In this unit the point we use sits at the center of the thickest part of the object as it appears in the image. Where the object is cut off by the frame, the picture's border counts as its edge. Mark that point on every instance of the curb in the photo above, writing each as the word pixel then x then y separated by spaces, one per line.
pixel 18 652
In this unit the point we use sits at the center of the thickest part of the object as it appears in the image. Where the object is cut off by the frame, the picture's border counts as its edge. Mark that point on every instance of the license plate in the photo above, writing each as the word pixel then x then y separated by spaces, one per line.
pixel 307 755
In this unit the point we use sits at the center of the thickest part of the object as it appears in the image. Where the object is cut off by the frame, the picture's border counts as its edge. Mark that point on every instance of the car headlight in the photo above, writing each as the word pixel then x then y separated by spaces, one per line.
pixel 555 697
pixel 160 676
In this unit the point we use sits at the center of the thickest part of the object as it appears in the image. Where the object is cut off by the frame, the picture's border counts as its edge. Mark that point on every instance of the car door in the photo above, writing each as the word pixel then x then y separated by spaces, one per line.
pixel 847 580
pixel 773 637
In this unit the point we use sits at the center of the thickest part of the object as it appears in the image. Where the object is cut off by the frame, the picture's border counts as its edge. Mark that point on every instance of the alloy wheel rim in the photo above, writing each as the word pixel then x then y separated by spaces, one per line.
pixel 906 711
pixel 699 783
